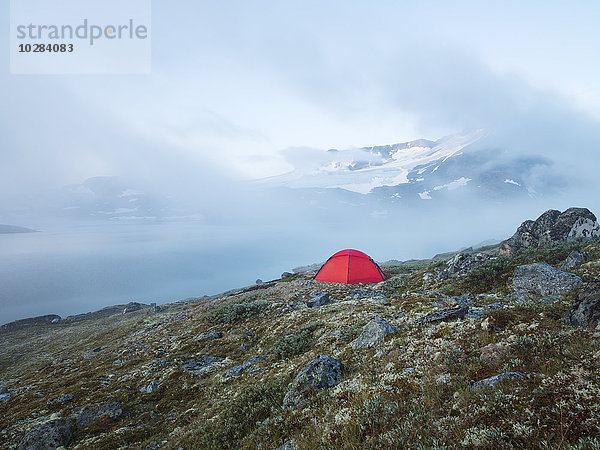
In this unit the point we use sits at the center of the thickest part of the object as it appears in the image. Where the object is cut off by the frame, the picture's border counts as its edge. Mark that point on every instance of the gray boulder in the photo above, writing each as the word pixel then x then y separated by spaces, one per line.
pixel 89 413
pixel 4 394
pixel 574 259
pixel 542 279
pixel 445 315
pixel 49 435
pixel 320 373
pixel 373 334
pixel 235 371
pixel 492 382
pixel 585 311
pixel 318 299
pixel 286 275
pixel 552 228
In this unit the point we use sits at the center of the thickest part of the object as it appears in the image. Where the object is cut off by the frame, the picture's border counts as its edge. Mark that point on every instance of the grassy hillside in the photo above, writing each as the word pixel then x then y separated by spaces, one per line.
pixel 415 390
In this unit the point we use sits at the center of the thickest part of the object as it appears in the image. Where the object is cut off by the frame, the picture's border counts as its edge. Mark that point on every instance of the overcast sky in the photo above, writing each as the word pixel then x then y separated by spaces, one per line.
pixel 234 83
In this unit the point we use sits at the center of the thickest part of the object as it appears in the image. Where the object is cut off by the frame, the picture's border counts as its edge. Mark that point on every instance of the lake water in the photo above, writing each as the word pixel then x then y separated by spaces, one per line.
pixel 79 269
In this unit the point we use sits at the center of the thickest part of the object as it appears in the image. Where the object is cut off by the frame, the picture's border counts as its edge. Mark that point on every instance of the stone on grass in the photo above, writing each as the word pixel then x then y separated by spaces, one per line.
pixel 318 299
pixel 574 259
pixel 493 382
pixel 210 335
pixel 445 315
pixel 373 334
pixel 49 435
pixel 320 373
pixel 585 311
pixel 541 279
pixel 89 413
pixel 201 365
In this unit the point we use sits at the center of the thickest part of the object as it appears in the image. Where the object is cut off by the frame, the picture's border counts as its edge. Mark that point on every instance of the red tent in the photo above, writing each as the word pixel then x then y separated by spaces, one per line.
pixel 350 267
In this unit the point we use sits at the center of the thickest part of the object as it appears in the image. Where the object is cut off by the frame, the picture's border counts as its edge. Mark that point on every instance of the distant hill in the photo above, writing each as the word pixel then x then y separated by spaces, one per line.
pixel 9 229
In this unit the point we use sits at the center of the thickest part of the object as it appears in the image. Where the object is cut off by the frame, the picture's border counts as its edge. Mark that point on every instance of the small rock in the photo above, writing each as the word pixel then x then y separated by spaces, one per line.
pixel 359 294
pixel 286 275
pixel 49 435
pixel 410 370
pixel 61 399
pixel 151 387
pixel 446 315
pixel 288 445
pixel 5 397
pixel 117 361
pixel 373 334
pixel 210 336
pixel 259 281
pixel 320 373
pixel 253 360
pixel 585 311
pixel 318 299
pixel 496 379
pixel 492 354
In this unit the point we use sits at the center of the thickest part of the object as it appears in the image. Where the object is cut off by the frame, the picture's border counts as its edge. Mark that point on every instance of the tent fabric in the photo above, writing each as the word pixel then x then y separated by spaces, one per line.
pixel 350 267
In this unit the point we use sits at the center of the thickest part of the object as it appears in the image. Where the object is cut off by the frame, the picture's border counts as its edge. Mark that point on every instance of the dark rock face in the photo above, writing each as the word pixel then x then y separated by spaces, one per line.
pixel 446 315
pixel 320 373
pixel 464 262
pixel 552 228
pixel 542 279
pixel 373 334
pixel 33 321
pixel 574 259
pixel 89 413
pixel 585 311
pixel 49 435
pixel 492 382
pixel 318 299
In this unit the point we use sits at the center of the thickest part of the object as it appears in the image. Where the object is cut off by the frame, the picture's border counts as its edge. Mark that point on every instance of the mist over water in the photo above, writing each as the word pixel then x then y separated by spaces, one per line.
pixel 76 267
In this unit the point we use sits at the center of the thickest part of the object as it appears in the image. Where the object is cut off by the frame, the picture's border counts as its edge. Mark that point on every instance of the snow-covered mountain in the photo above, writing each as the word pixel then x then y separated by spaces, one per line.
pixel 450 168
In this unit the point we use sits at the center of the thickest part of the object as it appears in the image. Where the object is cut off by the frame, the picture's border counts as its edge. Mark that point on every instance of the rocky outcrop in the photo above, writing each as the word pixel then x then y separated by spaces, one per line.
pixel 585 311
pixel 552 228
pixel 540 279
pixel 373 334
pixel 320 373
pixel 49 435
pixel 574 259
pixel 464 262
pixel 236 371
pixel 30 322
pixel 445 315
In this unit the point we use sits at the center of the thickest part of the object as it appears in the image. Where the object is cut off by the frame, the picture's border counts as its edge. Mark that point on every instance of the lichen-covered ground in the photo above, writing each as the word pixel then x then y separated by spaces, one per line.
pixel 412 391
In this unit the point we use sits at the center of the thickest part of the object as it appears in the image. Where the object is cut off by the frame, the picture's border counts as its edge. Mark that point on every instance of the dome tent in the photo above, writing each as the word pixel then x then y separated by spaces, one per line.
pixel 350 267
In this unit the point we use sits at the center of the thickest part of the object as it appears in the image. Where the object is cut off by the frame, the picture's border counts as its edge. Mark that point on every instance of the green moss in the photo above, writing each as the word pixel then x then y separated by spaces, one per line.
pixel 235 310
